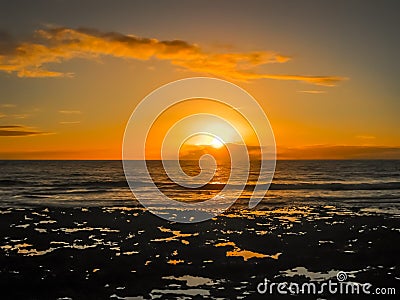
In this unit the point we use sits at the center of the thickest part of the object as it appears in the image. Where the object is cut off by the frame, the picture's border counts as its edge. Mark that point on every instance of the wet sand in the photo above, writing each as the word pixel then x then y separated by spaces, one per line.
pixel 127 253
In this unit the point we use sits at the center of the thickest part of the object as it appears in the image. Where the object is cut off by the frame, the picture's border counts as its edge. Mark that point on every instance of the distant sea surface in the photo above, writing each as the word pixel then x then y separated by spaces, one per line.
pixel 365 183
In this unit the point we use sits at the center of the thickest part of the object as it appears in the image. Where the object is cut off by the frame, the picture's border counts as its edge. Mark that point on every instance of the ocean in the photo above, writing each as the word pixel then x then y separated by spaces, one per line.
pixel 365 183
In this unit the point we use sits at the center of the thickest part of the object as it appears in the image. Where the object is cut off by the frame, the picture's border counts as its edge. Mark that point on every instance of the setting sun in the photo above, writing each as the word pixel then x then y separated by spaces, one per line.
pixel 216 143
pixel 205 140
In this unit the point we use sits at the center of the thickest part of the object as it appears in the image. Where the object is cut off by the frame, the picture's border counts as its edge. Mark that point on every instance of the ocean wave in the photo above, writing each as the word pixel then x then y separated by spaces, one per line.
pixel 102 185
pixel 335 186
pixel 12 182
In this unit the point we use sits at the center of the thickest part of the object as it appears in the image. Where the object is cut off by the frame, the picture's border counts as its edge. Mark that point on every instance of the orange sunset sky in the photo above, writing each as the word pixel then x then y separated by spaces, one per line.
pixel 325 73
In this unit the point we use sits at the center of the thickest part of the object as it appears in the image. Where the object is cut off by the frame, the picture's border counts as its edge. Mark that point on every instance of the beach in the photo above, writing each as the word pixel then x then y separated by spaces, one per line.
pixel 122 252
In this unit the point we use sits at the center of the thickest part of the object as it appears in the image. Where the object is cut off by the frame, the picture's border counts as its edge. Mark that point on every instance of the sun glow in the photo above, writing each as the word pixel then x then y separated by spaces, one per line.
pixel 205 140
pixel 216 143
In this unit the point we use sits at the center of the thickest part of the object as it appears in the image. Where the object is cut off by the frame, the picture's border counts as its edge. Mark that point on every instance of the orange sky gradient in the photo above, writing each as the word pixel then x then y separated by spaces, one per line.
pixel 68 91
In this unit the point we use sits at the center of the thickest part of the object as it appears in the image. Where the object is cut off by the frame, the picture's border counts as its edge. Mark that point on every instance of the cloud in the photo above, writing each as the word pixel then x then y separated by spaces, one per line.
pixel 19 116
pixel 69 122
pixel 14 116
pixel 56 45
pixel 317 80
pixel 366 137
pixel 89 154
pixel 17 130
pixel 339 152
pixel 194 152
pixel 70 112
pixel 312 92
pixel 8 105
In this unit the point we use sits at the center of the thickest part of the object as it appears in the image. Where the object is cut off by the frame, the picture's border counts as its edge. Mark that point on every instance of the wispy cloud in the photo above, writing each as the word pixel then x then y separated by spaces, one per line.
pixel 19 116
pixel 18 131
pixel 339 152
pixel 70 122
pixel 312 92
pixel 70 112
pixel 14 116
pixel 366 137
pixel 8 105
pixel 55 45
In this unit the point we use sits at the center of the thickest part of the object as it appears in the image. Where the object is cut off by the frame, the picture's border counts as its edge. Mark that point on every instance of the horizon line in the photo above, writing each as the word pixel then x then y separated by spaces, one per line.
pixel 281 159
